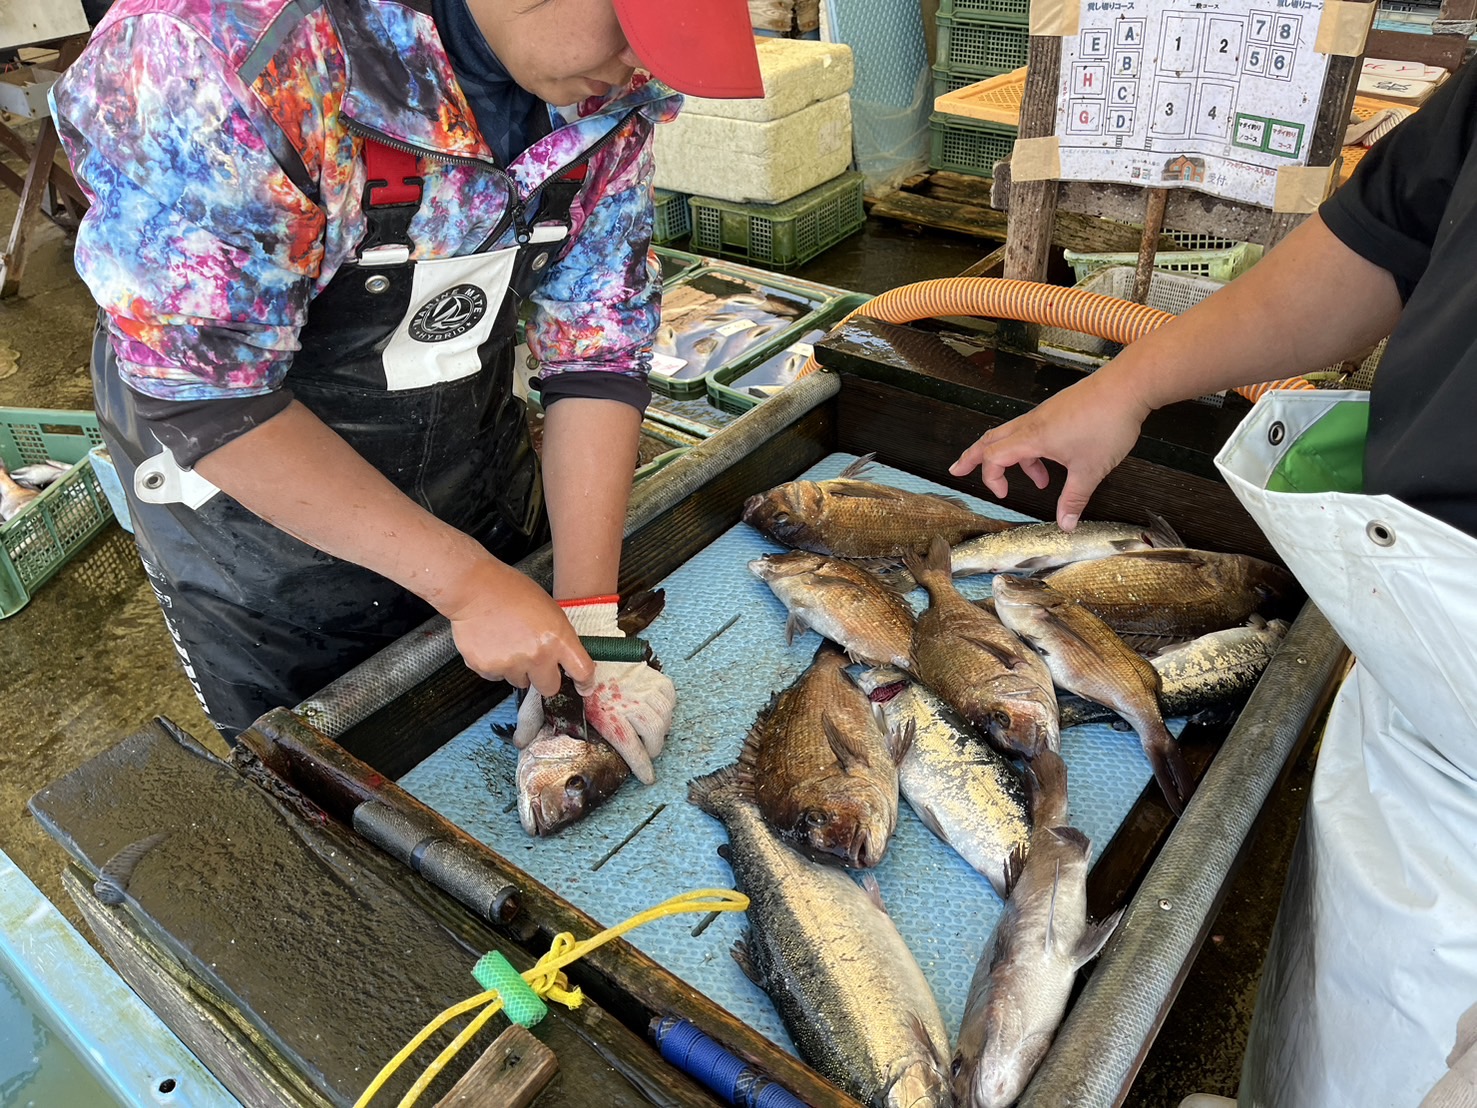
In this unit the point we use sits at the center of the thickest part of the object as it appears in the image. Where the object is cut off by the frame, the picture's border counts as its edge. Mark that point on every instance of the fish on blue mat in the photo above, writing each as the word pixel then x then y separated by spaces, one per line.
pixel 1209 675
pixel 1039 547
pixel 1085 657
pixel 971 660
pixel 852 518
pixel 843 602
pixel 1024 979
pixel 821 767
pixel 965 792
pixel 847 986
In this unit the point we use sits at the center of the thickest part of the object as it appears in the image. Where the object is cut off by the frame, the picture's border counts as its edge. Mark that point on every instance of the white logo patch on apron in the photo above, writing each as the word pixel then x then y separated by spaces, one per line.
pixel 454 303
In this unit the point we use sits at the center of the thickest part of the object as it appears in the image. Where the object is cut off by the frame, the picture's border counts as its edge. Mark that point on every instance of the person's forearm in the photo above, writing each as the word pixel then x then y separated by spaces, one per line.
pixel 1309 303
pixel 589 458
pixel 300 476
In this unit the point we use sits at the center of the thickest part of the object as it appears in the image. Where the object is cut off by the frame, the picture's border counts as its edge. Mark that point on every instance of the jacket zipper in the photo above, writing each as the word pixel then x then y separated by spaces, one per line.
pixel 517 205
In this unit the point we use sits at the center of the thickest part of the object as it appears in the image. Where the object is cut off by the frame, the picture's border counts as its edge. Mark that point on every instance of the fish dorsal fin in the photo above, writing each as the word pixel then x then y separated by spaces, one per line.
pixel 863 490
pixel 1094 938
pixel 873 891
pixel 1056 883
pixel 849 751
pixel 860 466
pixel 1160 534
pixel 1177 555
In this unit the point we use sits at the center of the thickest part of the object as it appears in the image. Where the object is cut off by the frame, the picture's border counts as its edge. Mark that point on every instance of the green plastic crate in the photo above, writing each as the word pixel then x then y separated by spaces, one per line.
pixel 962 145
pixel 676 263
pixel 780 235
pixel 673 220
pixel 1217 265
pixel 946 80
pixel 722 394
pixel 65 517
pixel 985 48
pixel 971 11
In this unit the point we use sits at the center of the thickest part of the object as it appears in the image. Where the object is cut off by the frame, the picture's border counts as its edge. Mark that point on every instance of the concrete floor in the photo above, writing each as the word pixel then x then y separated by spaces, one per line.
pixel 89 661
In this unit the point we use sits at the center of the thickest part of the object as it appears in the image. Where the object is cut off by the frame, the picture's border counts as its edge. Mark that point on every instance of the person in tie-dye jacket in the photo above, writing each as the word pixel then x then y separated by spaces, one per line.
pixel 314 226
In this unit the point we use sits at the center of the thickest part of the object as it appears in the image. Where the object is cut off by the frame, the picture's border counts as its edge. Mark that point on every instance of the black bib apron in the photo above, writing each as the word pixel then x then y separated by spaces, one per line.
pixel 411 362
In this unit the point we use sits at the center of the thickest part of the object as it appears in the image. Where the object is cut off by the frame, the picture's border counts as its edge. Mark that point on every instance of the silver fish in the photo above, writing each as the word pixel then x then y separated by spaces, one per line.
pixel 1023 982
pixel 845 983
pixel 963 791
pixel 1215 670
pixel 39 475
pixel 13 497
pixel 1038 547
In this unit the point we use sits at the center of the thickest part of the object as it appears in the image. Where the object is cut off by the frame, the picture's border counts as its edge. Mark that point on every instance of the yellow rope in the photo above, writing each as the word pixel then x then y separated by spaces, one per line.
pixel 544 978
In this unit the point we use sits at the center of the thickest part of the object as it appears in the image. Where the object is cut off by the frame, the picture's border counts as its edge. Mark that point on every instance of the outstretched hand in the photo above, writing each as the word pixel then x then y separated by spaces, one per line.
pixel 1088 428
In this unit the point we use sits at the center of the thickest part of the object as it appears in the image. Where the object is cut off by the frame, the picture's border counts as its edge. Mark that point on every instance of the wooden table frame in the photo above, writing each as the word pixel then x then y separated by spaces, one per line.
pixel 43 174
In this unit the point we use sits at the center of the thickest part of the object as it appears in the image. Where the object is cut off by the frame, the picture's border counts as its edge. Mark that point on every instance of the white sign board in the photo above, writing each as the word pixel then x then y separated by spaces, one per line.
pixel 1214 95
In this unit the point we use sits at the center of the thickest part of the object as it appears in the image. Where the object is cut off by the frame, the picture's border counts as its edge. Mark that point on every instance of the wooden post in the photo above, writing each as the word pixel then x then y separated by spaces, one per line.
pixel 510 1074
pixel 1033 203
pixel 1153 224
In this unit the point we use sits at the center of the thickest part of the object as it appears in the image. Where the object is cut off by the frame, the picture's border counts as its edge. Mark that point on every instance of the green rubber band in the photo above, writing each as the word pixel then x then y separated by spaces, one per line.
pixel 523 1006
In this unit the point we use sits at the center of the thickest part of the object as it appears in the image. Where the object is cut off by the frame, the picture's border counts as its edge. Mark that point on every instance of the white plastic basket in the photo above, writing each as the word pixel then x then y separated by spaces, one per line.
pixel 1169 292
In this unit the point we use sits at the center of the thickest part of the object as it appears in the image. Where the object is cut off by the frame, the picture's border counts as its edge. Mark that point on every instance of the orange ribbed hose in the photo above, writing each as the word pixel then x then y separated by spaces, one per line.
pixel 1092 313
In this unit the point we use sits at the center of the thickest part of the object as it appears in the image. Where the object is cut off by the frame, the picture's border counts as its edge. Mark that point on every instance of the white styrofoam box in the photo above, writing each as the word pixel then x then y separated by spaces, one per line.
pixel 23 91
pixel 797 73
pixel 746 162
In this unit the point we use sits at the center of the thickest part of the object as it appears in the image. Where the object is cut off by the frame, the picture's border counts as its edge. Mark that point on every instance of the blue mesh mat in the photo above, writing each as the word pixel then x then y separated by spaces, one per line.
pixel 943 908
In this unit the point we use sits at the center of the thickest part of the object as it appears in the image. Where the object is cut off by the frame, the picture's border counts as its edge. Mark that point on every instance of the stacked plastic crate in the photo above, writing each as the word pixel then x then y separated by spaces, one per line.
pixel 767 179
pixel 977 39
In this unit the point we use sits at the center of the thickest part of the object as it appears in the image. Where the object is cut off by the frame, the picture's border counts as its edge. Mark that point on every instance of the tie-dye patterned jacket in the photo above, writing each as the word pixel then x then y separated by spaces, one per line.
pixel 219 140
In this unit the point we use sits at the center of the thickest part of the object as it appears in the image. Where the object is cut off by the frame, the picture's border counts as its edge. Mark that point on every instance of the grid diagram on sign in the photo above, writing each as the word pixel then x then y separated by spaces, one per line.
pixel 1215 95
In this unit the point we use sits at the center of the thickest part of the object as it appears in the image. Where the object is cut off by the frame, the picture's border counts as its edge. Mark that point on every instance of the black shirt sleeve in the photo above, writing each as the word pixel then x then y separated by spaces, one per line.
pixel 193 428
pixel 1389 212
pixel 595 385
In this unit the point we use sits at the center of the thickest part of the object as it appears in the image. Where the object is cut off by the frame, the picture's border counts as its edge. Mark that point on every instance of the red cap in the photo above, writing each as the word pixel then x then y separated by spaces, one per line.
pixel 702 47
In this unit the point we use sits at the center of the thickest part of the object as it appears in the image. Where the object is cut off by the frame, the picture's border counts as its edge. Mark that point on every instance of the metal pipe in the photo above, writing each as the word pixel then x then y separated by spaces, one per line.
pixel 1103 1041
pixel 415 657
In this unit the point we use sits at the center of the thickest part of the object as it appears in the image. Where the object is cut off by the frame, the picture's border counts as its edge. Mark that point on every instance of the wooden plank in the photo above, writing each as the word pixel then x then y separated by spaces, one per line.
pixel 1033 215
pixel 1447 51
pixel 13 261
pixel 249 1068
pixel 991 265
pixel 11 180
pixel 1185 210
pixel 510 1074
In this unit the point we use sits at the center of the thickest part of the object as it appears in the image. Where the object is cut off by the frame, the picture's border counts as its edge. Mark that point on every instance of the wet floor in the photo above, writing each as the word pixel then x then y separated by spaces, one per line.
pixel 89 660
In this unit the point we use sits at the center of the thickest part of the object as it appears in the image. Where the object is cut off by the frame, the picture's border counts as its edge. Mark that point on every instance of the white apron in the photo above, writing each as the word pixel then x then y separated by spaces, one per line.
pixel 1374 955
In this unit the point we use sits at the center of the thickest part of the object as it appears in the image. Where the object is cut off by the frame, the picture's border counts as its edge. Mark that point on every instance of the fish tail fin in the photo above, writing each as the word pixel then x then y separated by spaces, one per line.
pixel 1094 938
pixel 1160 534
pixel 709 790
pixel 1047 781
pixel 934 568
pixel 1170 768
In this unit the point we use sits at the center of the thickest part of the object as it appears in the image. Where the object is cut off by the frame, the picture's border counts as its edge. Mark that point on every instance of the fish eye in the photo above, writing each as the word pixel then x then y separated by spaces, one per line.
pixel 999 719
pixel 957 1065
pixel 781 517
pixel 576 785
pixel 817 817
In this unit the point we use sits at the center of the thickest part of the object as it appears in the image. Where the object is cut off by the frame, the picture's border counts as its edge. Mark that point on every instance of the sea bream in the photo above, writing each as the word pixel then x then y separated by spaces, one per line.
pixel 1087 658
pixel 821 767
pixel 1215 671
pixel 1176 593
pixel 13 496
pixel 852 518
pixel 971 660
pixel 849 990
pixel 965 793
pixel 843 602
pixel 1024 980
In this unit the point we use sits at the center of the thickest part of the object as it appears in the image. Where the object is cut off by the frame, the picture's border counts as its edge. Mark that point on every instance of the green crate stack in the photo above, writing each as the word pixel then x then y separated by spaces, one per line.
pixel 48 531
pixel 778 236
pixel 972 146
pixel 981 47
pixel 945 81
pixel 673 220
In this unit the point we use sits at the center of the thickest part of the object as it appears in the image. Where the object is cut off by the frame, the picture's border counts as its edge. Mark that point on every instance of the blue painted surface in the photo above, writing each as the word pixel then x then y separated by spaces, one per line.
pixel 943 908
pixel 120 1039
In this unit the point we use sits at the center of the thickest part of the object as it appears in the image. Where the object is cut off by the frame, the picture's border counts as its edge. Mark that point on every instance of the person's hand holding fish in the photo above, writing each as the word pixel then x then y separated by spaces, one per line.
pixel 629 703
pixel 1088 428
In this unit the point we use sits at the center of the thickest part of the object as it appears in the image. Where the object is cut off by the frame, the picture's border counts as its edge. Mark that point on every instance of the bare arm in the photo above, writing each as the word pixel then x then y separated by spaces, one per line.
pixel 1307 304
pixel 589 457
pixel 301 477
